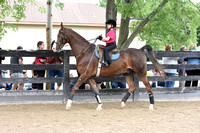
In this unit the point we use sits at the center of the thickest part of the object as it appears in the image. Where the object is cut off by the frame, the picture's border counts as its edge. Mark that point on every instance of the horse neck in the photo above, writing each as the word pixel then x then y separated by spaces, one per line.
pixel 78 43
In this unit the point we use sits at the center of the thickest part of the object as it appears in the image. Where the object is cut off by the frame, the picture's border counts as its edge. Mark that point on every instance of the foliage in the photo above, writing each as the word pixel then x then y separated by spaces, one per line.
pixel 198 29
pixel 16 9
pixel 198 36
pixel 102 3
pixel 175 23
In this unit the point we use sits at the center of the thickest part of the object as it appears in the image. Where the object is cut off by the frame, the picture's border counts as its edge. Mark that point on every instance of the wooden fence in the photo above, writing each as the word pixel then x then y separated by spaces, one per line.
pixel 61 95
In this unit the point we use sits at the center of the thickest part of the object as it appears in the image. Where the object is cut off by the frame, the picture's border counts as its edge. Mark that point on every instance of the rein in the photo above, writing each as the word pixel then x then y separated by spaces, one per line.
pixel 84 51
pixel 63 36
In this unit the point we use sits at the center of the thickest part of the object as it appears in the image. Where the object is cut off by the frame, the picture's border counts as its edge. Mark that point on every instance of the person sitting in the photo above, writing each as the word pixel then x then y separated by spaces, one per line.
pixel 110 41
pixel 118 84
pixel 159 83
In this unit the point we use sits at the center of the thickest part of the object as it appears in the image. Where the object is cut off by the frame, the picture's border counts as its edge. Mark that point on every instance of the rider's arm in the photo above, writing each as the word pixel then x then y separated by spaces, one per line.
pixel 106 39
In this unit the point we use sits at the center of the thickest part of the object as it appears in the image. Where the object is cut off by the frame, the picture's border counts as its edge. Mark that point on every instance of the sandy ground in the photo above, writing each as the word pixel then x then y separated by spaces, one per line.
pixel 167 117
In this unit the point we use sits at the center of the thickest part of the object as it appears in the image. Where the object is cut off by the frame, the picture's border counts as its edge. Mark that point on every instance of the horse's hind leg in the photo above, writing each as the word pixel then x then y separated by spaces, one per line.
pixel 96 92
pixel 129 80
pixel 149 89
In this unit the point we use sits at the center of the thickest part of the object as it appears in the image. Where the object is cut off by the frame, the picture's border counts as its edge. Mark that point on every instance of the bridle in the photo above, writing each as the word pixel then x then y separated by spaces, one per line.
pixel 63 37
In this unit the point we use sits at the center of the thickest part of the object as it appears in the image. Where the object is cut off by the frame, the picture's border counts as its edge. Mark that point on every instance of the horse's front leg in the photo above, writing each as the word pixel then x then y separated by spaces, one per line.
pixel 79 82
pixel 96 92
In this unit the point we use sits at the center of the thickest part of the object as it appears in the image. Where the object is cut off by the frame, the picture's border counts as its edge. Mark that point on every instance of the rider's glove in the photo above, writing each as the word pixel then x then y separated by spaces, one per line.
pixel 100 37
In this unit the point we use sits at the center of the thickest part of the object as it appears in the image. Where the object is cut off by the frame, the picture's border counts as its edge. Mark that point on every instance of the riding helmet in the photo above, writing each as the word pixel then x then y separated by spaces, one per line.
pixel 112 22
pixel 19 47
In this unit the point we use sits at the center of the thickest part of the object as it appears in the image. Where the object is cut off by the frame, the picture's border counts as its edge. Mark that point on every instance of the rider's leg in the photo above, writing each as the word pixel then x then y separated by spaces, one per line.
pixel 108 48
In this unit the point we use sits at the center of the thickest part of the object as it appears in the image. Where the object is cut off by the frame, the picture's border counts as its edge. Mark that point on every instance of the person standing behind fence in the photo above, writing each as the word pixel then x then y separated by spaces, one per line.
pixel 17 73
pixel 181 72
pixel 40 60
pixel 170 72
pixel 54 73
pixel 2 58
pixel 192 47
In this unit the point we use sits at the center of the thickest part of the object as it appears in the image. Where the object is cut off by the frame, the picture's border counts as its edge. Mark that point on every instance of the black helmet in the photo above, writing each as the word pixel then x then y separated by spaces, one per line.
pixel 112 22
pixel 19 47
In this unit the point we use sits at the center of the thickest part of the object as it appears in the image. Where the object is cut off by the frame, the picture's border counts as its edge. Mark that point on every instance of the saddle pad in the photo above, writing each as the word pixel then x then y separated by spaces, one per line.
pixel 115 55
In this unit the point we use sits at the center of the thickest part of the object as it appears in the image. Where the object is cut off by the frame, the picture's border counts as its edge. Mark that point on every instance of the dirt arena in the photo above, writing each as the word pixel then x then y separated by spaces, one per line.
pixel 167 117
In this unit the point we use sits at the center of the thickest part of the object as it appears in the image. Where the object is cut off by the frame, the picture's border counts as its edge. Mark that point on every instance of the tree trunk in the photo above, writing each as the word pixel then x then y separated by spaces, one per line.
pixel 123 31
pixel 49 24
pixel 124 28
pixel 111 11
pixel 48 33
pixel 141 25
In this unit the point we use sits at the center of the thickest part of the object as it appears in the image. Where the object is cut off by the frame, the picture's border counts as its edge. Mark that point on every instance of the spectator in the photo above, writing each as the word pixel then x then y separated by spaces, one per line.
pixel 118 84
pixel 2 85
pixel 190 72
pixel 8 85
pixel 170 72
pixel 27 86
pixel 4 72
pixel 40 60
pixel 17 73
pixel 159 83
pixel 181 72
pixel 54 73
pixel 34 75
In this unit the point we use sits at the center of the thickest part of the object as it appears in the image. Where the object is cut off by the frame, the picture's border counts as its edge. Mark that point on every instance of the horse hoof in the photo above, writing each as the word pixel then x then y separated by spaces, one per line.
pixel 151 106
pixel 99 107
pixel 68 107
pixel 123 105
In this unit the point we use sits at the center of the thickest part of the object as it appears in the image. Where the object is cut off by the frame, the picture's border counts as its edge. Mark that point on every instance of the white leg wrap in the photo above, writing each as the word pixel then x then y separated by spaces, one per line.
pixel 151 106
pixel 69 104
pixel 123 104
pixel 99 107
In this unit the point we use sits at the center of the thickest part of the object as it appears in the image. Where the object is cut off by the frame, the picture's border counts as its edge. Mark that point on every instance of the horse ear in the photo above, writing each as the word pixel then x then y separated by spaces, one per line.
pixel 62 27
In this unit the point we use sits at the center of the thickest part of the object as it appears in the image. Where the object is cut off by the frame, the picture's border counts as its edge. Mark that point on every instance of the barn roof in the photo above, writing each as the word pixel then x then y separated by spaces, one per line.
pixel 84 14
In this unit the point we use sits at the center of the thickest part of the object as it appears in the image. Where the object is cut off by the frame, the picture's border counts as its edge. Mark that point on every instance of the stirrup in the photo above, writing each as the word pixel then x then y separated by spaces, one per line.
pixel 106 64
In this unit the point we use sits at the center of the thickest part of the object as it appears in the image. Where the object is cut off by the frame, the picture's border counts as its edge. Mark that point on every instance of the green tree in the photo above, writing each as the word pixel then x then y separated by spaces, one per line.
pixel 16 9
pixel 160 22
pixel 198 29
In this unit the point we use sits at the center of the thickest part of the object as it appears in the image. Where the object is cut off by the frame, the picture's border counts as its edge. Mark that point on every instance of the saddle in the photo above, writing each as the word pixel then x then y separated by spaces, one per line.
pixel 114 54
pixel 98 52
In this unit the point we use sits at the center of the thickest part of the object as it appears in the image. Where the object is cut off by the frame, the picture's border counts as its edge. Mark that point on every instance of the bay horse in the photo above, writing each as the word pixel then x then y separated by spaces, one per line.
pixel 130 62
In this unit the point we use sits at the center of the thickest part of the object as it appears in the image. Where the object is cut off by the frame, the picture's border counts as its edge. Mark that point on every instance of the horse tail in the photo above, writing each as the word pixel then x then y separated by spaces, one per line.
pixel 151 55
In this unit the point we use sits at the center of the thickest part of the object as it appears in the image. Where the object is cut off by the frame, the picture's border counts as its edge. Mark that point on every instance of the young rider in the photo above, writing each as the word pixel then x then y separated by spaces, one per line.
pixel 110 40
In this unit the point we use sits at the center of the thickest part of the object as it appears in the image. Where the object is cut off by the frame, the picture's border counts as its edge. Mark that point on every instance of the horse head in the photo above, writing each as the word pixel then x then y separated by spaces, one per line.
pixel 61 38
